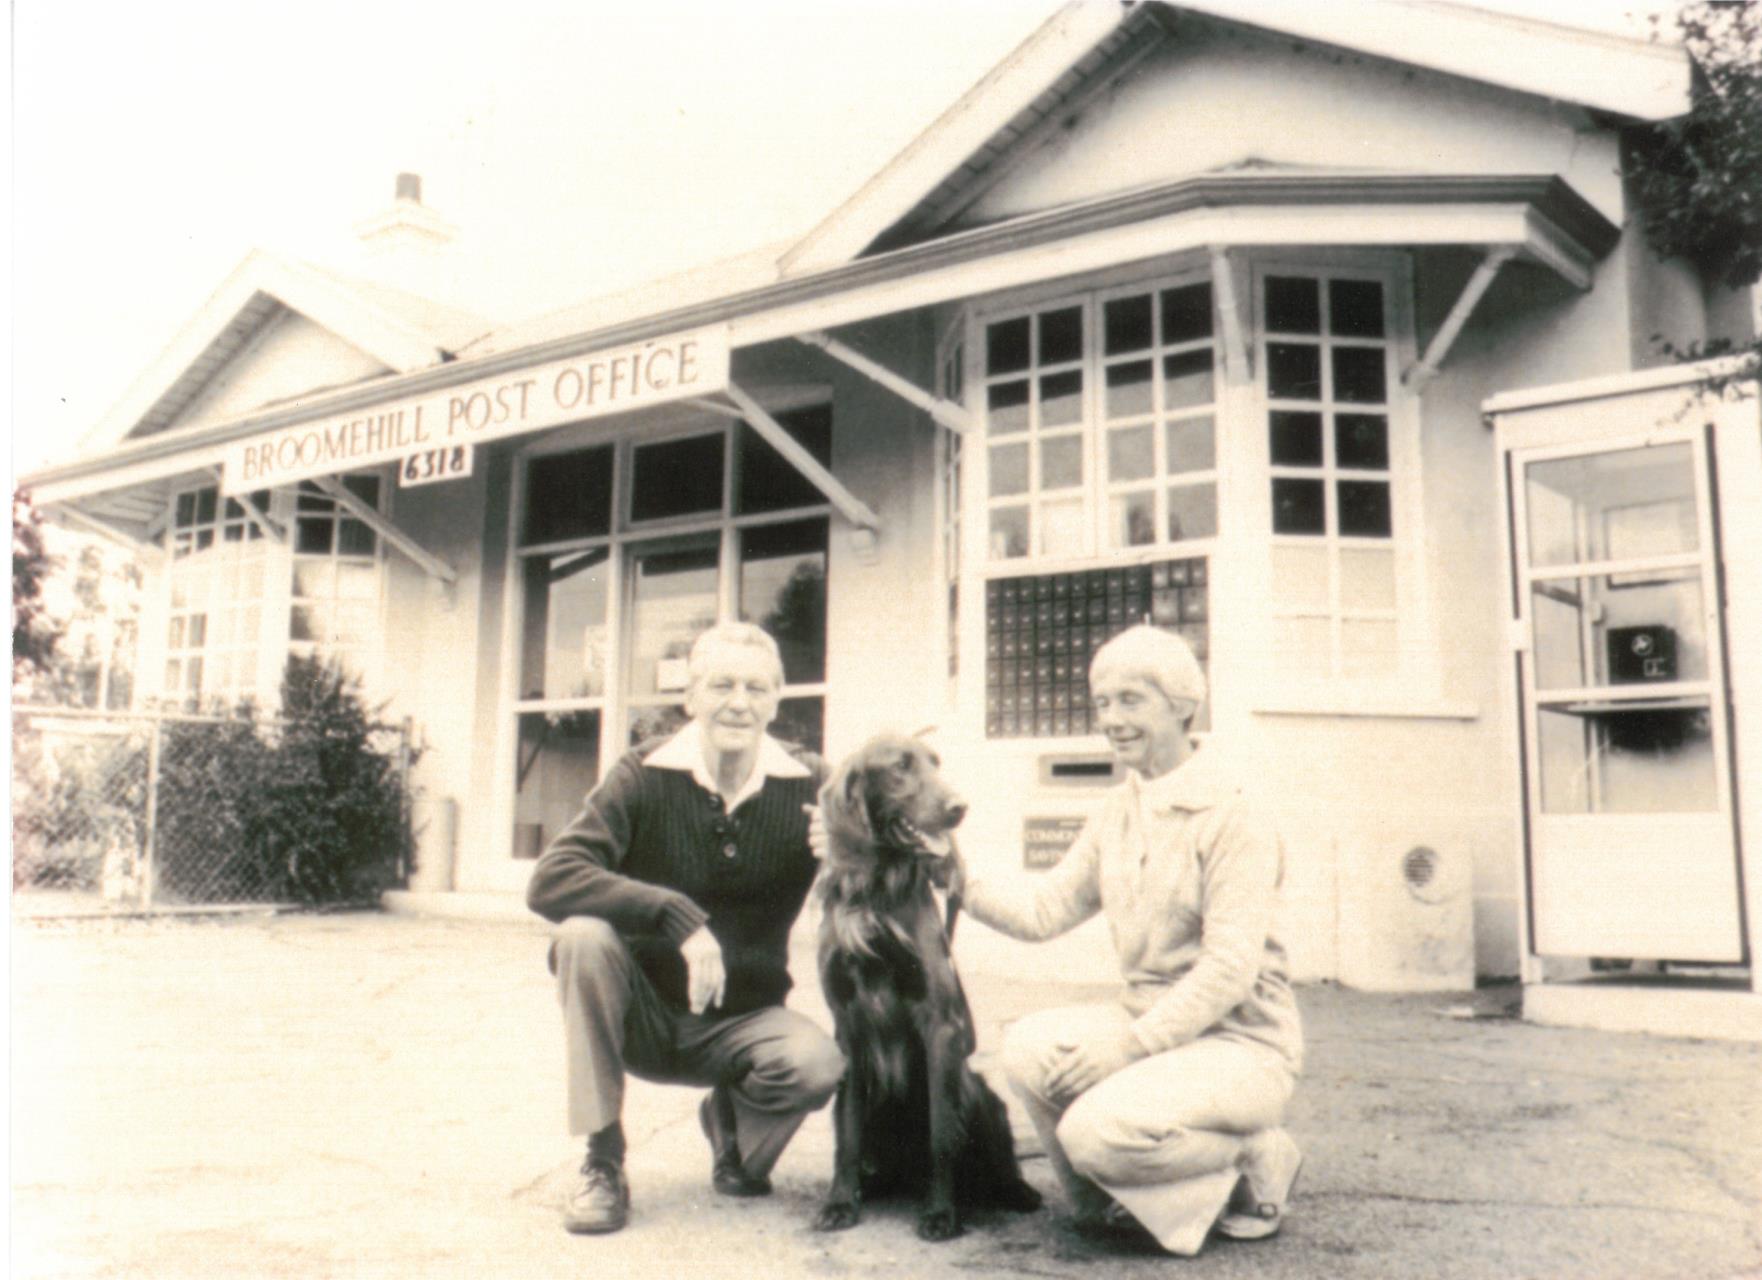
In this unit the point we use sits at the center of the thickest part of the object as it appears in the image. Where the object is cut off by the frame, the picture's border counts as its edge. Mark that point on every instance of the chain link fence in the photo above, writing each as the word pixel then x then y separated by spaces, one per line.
pixel 160 810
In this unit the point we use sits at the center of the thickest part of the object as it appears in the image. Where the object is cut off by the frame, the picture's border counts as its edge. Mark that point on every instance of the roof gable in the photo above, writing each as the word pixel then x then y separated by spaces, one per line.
pixel 1086 47
pixel 364 336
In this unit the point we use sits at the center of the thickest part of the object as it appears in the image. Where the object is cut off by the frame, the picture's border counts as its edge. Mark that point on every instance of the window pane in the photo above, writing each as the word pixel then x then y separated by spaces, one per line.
pixel 1638 628
pixel 186 510
pixel 1361 441
pixel 1131 453
pixel 1061 462
pixel 1192 511
pixel 801 722
pixel 1006 346
pixel 569 495
pixel 305 622
pixel 673 602
pixel 1061 528
pixel 1129 389
pixel 1355 308
pixel 563 642
pixel 1009 533
pixel 1186 313
pixel 1612 506
pixel 364 487
pixel 1126 322
pixel 1300 578
pixel 1295 439
pixel 1364 508
pixel 1651 761
pixel 768 480
pixel 783 589
pixel 677 478
pixel 1007 405
pixel 1301 648
pixel 557 762
pixel 1367 647
pixel 1061 399
pixel 1009 469
pixel 315 579
pixel 205 505
pixel 1133 519
pixel 1293 305
pixel 1192 445
pixel 1187 379
pixel 312 535
pixel 354 539
pixel 1299 506
pixel 1061 335
pixel 1359 375
pixel 1367 578
pixel 356 582
pixel 1293 371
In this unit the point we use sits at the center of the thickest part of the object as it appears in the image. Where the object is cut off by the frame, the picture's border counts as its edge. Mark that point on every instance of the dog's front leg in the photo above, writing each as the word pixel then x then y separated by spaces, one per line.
pixel 844 1201
pixel 940 1219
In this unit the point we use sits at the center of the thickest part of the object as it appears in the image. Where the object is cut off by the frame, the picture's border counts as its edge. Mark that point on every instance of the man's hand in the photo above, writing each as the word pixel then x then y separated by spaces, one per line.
pixel 705 978
pixel 816 831
pixel 1086 1065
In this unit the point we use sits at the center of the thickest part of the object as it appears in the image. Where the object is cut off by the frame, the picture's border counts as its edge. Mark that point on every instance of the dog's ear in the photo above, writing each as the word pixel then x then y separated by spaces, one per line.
pixel 843 802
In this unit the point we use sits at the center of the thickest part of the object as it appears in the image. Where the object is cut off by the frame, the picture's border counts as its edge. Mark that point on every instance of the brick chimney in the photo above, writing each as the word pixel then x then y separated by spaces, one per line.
pixel 409 225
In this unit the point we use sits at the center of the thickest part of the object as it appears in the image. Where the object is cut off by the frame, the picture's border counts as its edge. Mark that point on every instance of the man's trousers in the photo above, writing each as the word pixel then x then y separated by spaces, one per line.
pixel 777 1065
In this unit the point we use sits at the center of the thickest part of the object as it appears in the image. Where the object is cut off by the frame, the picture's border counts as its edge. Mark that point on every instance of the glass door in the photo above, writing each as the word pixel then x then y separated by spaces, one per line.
pixel 673 595
pixel 1631 841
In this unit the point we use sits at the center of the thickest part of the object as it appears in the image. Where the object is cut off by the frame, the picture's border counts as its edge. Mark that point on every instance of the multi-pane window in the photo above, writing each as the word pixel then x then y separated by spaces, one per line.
pixel 1161 432
pixel 1100 424
pixel 628 552
pixel 1326 369
pixel 334 608
pixel 215 610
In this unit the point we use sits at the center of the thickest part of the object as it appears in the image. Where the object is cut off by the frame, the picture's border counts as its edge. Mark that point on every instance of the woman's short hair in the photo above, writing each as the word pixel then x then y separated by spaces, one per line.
pixel 1159 657
pixel 734 633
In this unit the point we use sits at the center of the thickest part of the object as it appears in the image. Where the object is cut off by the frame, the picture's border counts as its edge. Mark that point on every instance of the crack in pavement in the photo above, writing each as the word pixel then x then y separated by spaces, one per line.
pixel 1487 1203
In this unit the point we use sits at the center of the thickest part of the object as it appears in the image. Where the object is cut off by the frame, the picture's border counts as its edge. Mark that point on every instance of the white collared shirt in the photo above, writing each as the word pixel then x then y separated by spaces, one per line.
pixel 684 751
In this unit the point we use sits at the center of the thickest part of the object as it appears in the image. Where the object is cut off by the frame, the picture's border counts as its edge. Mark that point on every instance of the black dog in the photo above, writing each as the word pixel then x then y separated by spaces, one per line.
pixel 910 1116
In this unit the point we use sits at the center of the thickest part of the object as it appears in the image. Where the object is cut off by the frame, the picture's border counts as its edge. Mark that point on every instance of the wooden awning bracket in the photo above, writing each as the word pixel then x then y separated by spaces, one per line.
pixel 1439 347
pixel 759 419
pixel 431 564
pixel 257 516
pixel 945 413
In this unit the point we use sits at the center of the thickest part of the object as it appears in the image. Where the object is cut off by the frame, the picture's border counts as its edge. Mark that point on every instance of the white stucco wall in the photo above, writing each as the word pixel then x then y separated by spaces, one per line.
pixel 1218 96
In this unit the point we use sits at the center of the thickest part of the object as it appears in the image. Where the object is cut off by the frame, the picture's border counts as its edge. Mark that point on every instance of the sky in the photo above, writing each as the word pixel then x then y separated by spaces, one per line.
pixel 578 148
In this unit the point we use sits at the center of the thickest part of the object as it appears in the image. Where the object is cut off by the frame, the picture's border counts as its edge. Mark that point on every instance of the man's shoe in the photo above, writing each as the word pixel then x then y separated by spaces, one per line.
pixel 727 1174
pixel 1270 1163
pixel 599 1200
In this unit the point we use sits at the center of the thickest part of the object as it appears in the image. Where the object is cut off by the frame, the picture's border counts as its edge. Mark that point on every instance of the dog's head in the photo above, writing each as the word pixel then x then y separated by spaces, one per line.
pixel 890 795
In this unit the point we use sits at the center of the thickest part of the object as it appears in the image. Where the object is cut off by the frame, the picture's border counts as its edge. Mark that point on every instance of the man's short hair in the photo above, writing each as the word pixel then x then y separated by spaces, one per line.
pixel 1159 657
pixel 734 633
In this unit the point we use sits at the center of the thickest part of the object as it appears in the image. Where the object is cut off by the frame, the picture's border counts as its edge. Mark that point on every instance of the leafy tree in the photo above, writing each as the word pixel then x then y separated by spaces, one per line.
pixel 1698 180
pixel 35 634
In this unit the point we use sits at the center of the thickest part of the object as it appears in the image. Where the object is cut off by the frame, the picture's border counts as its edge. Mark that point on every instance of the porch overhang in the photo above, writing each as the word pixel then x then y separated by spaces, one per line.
pixel 1534 218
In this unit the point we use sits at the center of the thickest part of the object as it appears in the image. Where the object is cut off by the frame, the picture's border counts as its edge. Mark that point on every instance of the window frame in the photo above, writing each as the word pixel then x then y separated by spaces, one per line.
pixel 623 536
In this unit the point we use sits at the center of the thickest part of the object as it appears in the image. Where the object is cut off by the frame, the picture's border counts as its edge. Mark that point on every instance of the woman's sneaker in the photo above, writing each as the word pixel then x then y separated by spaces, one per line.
pixel 1270 1162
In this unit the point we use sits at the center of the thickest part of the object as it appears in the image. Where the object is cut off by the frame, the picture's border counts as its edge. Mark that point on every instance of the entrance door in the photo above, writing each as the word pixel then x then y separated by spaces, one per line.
pixel 673 593
pixel 1623 704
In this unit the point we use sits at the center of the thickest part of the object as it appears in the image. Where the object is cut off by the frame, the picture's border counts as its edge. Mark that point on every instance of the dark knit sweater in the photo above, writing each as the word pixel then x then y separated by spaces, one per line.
pixel 653 854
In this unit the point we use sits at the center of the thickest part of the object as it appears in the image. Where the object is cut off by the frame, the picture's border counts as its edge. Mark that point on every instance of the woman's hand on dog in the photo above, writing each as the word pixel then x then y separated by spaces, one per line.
pixel 705 977
pixel 1084 1066
pixel 816 831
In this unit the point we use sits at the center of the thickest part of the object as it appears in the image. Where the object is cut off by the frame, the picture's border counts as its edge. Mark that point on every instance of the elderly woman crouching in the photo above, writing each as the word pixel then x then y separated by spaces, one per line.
pixel 1167 1104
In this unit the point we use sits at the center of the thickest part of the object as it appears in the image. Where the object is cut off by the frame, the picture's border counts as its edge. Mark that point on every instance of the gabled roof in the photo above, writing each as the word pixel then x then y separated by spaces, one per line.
pixel 1088 44
pixel 401 331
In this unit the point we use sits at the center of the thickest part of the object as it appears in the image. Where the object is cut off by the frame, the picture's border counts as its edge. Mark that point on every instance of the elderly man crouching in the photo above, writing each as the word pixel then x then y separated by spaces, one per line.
pixel 674 893
pixel 1166 1104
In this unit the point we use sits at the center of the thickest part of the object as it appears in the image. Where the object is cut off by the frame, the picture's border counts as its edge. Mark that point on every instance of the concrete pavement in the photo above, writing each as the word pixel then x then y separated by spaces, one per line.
pixel 369 1095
